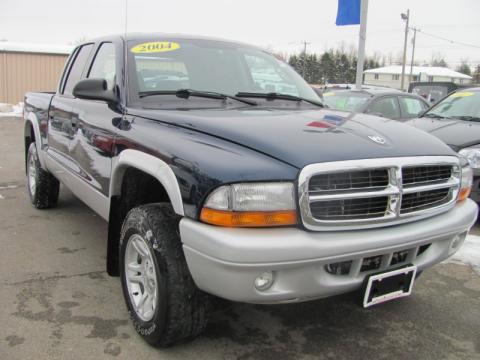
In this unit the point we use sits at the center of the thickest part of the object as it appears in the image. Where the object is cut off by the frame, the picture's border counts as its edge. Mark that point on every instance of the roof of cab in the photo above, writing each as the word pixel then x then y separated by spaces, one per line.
pixel 162 36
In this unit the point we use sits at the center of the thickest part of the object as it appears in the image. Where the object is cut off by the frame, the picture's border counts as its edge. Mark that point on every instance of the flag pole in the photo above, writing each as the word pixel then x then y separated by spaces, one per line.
pixel 362 35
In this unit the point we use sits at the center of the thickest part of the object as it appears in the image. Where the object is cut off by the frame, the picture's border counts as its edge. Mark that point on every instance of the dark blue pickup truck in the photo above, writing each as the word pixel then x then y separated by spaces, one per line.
pixel 220 173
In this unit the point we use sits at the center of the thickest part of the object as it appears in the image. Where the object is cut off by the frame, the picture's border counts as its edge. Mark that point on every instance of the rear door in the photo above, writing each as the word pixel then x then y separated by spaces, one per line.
pixel 411 107
pixel 91 147
pixel 61 129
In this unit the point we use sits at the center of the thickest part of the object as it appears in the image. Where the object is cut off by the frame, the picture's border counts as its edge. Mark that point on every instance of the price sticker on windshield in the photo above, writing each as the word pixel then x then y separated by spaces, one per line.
pixel 155 47
pixel 462 94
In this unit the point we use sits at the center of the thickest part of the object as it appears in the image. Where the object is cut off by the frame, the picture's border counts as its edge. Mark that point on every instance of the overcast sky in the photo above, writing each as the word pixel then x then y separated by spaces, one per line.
pixel 279 25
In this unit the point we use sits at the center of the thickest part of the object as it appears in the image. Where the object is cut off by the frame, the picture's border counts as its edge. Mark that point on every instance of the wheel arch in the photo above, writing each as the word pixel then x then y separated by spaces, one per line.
pixel 154 181
pixel 151 165
pixel 31 133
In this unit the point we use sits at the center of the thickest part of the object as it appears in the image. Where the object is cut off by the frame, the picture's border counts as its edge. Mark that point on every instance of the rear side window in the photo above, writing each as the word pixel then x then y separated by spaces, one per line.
pixel 103 66
pixel 411 107
pixel 386 107
pixel 76 69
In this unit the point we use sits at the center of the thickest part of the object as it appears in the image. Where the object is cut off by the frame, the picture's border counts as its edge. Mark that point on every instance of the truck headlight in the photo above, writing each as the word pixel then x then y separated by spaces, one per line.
pixel 472 154
pixel 466 182
pixel 251 205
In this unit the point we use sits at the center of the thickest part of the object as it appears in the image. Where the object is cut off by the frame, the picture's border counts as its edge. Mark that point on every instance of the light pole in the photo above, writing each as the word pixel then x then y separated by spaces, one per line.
pixel 362 37
pixel 413 52
pixel 406 18
pixel 304 70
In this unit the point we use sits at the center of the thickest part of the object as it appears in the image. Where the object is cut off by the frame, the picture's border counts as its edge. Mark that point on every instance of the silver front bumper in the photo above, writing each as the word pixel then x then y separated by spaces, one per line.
pixel 226 261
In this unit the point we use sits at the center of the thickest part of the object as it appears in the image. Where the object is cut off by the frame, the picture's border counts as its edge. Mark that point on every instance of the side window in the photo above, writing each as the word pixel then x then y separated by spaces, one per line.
pixel 411 107
pixel 76 69
pixel 103 66
pixel 386 106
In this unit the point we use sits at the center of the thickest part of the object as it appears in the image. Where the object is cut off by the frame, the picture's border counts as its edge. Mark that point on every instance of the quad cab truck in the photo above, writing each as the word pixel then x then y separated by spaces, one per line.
pixel 216 183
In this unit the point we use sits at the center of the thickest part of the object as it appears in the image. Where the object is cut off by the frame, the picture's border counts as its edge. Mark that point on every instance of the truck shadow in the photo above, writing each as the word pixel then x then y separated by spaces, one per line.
pixel 323 329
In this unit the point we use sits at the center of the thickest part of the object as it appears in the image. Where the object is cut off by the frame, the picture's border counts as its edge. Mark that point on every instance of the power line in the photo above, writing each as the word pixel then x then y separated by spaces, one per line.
pixel 449 40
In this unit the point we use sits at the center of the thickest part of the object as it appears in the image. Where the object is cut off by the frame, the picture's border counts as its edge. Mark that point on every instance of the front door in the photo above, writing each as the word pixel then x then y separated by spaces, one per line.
pixel 92 143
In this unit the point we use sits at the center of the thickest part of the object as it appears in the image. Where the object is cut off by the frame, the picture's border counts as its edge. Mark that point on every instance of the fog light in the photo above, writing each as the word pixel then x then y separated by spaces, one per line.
pixel 339 268
pixel 264 281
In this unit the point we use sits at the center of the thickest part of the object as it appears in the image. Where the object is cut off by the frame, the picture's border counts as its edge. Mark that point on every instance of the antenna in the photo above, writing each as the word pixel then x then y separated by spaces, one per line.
pixel 125 62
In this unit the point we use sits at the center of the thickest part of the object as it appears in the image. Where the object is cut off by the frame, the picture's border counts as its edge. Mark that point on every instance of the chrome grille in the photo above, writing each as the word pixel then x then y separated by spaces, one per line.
pixel 376 192
pixel 349 180
pixel 345 209
pixel 424 199
pixel 413 175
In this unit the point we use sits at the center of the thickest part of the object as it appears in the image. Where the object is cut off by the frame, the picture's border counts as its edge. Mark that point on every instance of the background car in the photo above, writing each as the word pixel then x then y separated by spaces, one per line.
pixel 434 91
pixel 456 121
pixel 388 103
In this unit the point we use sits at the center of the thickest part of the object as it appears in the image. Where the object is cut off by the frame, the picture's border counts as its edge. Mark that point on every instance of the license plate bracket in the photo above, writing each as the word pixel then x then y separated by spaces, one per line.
pixel 389 285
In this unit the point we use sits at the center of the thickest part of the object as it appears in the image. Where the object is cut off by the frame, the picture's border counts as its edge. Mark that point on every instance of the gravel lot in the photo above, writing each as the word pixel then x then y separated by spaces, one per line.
pixel 58 302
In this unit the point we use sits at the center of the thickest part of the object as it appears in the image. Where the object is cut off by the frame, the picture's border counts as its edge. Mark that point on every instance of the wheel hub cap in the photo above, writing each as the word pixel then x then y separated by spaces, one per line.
pixel 140 277
pixel 32 175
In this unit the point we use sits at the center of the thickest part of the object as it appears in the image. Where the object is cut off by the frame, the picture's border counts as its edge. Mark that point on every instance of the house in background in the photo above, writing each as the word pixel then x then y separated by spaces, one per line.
pixel 29 67
pixel 390 76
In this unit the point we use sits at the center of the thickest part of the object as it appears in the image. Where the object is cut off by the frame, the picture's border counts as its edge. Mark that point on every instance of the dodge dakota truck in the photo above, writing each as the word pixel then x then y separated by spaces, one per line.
pixel 221 174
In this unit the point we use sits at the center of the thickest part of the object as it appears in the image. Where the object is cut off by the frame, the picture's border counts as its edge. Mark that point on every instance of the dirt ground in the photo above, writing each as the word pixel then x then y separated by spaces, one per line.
pixel 57 302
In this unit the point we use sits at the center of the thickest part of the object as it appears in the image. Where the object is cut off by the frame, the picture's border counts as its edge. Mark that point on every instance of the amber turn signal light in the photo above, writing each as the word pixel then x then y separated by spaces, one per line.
pixel 464 193
pixel 248 218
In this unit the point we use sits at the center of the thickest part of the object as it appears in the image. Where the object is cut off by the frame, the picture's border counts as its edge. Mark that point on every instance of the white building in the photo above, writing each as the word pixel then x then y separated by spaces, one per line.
pixel 391 75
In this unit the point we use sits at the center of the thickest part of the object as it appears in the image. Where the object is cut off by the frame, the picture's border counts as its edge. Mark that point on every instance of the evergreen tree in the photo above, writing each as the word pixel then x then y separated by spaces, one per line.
pixel 476 75
pixel 464 68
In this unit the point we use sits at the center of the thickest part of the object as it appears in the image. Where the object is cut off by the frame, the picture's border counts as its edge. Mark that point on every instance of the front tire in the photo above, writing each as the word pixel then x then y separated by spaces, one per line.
pixel 163 301
pixel 43 187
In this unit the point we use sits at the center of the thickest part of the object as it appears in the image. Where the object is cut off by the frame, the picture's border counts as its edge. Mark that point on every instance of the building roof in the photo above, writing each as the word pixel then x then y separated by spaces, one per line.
pixel 428 70
pixel 9 46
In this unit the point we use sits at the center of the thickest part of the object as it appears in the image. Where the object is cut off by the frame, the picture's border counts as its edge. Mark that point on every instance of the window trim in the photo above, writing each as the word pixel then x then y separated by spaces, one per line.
pixel 66 70
pixel 77 52
pixel 97 50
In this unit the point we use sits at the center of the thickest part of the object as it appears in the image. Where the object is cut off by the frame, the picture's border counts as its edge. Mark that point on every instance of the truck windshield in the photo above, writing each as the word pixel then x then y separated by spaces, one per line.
pixel 165 66
pixel 345 100
pixel 463 105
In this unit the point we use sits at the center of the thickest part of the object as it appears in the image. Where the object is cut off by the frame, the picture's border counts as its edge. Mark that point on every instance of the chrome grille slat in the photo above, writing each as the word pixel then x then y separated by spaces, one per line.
pixel 377 192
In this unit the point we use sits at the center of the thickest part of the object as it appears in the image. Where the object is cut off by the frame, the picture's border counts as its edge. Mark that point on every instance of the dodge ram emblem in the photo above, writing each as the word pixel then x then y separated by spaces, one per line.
pixel 377 139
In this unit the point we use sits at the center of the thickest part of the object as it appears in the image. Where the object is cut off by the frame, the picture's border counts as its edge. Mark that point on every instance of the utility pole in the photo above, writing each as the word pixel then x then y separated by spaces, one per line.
pixel 413 53
pixel 304 70
pixel 405 17
pixel 362 35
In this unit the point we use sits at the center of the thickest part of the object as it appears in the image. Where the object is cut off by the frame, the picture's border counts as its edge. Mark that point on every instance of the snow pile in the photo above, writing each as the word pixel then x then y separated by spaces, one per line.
pixel 11 110
pixel 469 253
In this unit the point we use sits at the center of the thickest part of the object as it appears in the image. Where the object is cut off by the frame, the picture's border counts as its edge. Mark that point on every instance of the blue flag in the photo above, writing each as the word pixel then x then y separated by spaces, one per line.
pixel 348 12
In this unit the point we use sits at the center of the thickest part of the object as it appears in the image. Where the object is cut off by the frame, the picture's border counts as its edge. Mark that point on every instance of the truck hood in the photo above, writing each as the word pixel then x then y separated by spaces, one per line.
pixel 456 133
pixel 302 137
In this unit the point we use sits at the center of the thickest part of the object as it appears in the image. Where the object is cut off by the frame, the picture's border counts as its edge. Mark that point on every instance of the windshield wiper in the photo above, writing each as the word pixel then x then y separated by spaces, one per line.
pixel 186 93
pixel 466 117
pixel 274 95
pixel 434 116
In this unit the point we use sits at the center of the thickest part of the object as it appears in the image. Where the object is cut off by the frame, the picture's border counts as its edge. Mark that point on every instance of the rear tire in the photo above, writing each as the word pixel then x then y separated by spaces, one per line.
pixel 42 186
pixel 164 303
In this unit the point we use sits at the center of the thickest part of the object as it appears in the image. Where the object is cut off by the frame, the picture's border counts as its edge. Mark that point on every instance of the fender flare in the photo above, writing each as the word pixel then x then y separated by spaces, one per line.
pixel 33 120
pixel 151 165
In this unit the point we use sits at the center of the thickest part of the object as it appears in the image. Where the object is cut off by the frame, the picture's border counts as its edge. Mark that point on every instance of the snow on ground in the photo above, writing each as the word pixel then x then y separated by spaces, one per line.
pixel 7 110
pixel 469 253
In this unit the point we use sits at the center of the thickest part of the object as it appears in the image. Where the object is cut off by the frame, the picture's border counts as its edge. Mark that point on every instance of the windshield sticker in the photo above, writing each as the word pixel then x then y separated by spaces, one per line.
pixel 328 94
pixel 462 94
pixel 155 47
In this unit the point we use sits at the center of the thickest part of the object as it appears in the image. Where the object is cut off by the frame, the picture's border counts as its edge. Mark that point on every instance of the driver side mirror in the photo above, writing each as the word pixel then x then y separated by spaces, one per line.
pixel 94 89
